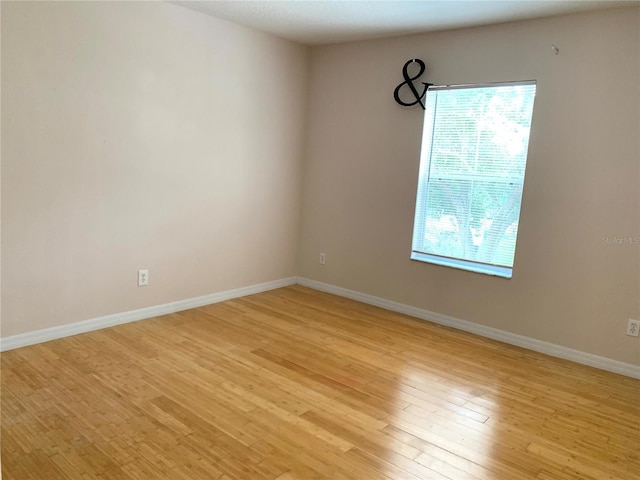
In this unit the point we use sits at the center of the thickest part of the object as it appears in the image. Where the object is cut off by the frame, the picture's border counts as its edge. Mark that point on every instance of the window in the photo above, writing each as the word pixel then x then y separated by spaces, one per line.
pixel 472 166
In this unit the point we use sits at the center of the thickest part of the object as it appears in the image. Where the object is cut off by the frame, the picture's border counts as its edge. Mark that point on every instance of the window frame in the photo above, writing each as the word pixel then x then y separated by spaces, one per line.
pixel 420 217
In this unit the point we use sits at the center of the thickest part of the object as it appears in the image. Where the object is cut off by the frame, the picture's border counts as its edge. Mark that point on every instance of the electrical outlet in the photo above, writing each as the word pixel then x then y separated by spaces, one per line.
pixel 143 278
pixel 323 258
pixel 633 328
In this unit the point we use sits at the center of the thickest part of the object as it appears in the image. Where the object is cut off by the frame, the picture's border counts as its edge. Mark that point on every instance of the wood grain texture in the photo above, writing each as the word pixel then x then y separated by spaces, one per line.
pixel 295 384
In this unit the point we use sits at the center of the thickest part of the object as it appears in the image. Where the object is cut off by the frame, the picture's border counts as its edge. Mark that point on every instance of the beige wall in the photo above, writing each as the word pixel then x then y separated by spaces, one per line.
pixel 582 180
pixel 0 176
pixel 143 135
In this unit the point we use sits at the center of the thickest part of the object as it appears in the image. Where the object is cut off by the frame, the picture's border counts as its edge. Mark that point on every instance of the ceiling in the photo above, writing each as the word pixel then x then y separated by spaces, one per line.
pixel 319 22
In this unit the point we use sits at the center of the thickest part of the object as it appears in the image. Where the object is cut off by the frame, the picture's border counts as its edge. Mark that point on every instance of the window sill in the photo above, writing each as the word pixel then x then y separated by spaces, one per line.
pixel 504 272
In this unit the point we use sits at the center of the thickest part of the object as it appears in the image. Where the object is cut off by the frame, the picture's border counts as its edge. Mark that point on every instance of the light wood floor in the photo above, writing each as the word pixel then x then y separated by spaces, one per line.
pixel 297 384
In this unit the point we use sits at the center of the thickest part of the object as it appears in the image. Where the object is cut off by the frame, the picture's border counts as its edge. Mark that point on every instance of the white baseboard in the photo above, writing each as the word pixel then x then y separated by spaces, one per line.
pixel 39 336
pixel 554 350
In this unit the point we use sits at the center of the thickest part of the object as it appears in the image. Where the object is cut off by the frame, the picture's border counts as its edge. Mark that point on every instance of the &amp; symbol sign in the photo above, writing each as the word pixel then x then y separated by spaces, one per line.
pixel 408 82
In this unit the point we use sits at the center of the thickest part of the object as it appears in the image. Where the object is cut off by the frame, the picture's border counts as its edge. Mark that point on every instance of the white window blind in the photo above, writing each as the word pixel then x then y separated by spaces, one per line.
pixel 472 168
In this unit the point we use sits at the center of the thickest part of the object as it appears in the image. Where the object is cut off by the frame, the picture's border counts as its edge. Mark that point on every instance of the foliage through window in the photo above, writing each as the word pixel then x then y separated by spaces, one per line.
pixel 472 167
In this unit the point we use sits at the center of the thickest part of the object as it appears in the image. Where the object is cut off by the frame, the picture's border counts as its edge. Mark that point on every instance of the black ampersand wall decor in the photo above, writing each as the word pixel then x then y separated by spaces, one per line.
pixel 408 81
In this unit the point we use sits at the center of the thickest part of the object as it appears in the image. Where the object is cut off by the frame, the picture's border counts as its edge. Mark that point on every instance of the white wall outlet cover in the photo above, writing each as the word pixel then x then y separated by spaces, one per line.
pixel 633 328
pixel 143 278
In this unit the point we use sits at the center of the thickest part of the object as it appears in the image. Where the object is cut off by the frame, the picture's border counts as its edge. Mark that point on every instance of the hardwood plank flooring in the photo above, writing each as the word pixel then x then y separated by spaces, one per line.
pixel 295 384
